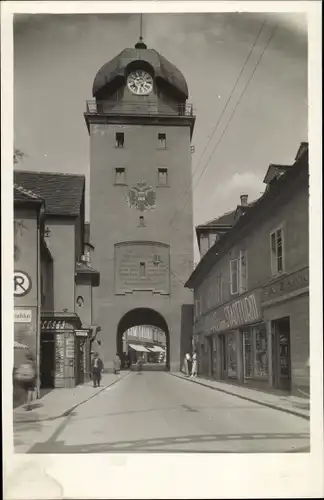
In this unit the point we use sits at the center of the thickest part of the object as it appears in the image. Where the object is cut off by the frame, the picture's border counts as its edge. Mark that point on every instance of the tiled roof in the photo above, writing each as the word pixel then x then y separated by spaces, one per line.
pixel 62 192
pixel 25 195
pixel 226 219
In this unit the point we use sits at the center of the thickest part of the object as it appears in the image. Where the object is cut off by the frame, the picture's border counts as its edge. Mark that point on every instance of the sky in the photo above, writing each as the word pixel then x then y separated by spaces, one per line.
pixel 56 58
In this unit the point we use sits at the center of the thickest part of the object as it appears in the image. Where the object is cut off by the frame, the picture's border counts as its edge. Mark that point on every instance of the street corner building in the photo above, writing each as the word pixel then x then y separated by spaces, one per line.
pixel 251 288
pixel 53 278
pixel 140 126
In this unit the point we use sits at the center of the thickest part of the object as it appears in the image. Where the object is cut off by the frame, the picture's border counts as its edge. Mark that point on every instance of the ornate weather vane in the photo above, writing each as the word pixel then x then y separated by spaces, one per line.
pixel 140 44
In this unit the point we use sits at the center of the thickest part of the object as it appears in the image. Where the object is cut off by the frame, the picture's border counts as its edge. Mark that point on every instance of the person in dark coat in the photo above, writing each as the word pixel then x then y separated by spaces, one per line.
pixel 97 367
pixel 26 376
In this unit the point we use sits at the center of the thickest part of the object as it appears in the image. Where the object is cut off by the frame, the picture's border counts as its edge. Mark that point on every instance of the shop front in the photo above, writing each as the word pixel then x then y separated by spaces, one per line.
pixel 59 361
pixel 285 304
pixel 234 342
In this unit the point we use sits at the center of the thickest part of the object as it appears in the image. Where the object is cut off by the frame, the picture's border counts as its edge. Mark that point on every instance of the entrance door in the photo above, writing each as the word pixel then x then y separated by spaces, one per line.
pixel 223 357
pixel 80 360
pixel 47 360
pixel 281 354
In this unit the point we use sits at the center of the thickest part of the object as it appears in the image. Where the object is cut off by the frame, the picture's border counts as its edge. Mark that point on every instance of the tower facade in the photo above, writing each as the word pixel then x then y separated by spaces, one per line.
pixel 140 128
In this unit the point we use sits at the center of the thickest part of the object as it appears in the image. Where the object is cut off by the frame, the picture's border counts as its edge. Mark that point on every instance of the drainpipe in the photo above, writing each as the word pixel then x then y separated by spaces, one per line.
pixel 39 297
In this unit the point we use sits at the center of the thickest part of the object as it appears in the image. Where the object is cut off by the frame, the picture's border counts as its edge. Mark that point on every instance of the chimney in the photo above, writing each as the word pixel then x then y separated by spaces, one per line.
pixel 244 200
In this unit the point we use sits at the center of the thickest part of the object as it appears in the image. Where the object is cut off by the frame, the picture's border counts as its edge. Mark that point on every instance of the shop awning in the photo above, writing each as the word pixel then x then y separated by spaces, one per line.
pixel 156 348
pixel 138 348
pixel 17 345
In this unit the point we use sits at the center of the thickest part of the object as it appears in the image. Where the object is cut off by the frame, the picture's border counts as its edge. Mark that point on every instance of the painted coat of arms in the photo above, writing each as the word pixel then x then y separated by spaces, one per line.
pixel 141 197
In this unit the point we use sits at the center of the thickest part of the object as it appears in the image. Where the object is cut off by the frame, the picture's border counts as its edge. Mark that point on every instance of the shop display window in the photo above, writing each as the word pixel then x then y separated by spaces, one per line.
pixel 231 354
pixel 248 353
pixel 260 351
pixel 255 352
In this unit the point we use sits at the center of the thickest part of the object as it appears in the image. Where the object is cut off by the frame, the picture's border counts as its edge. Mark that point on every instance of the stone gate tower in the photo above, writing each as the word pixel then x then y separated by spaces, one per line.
pixel 140 128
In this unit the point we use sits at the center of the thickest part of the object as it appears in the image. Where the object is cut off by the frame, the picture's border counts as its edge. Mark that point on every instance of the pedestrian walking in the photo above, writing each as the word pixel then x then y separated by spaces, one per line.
pixel 97 367
pixel 194 369
pixel 187 364
pixel 26 376
pixel 117 363
pixel 140 363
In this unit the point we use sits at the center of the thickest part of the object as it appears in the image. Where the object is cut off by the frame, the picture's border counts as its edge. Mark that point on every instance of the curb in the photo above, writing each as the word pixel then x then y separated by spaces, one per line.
pixel 246 398
pixel 66 413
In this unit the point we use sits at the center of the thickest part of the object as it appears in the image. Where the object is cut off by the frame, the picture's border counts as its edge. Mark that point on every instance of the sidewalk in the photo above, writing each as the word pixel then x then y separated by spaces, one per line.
pixel 290 404
pixel 60 402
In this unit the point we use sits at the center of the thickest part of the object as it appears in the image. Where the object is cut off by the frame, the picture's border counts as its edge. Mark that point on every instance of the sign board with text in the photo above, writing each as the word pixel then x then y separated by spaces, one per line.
pixel 242 311
pixel 22 316
pixel 286 284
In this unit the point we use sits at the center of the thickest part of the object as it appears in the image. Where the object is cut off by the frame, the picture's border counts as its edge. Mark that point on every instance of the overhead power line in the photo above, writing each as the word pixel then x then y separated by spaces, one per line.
pixel 224 108
pixel 229 120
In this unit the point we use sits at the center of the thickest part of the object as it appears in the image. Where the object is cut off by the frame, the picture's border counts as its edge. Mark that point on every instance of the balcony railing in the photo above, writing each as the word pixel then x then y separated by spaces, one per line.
pixel 143 108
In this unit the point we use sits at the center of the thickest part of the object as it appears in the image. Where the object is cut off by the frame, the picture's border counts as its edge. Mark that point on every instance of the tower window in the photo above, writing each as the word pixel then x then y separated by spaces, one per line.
pixel 141 220
pixel 163 176
pixel 120 177
pixel 119 139
pixel 162 141
pixel 142 270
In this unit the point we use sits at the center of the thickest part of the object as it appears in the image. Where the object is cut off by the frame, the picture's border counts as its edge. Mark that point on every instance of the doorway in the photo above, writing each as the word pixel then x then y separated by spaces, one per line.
pixel 223 357
pixel 281 354
pixel 47 360
pixel 80 360
pixel 142 340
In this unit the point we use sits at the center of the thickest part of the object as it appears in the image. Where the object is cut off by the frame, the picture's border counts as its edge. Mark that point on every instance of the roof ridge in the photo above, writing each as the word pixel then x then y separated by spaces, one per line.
pixel 216 218
pixel 67 174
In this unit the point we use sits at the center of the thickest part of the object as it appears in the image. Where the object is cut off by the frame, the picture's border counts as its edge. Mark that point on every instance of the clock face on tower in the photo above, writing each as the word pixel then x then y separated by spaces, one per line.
pixel 140 82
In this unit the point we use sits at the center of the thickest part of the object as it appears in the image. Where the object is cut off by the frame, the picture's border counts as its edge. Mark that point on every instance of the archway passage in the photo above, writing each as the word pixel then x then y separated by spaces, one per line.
pixel 143 337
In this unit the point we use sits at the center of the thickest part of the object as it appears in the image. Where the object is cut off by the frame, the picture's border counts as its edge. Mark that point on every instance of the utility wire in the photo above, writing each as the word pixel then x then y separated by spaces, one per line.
pixel 224 108
pixel 229 121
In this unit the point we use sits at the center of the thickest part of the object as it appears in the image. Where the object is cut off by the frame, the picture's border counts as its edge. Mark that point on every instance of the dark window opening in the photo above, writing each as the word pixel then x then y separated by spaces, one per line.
pixel 119 139
pixel 141 220
pixel 142 269
pixel 163 176
pixel 120 175
pixel 162 141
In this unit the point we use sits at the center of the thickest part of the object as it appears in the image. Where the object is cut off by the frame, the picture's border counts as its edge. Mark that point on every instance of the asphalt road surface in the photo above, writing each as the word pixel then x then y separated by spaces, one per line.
pixel 156 412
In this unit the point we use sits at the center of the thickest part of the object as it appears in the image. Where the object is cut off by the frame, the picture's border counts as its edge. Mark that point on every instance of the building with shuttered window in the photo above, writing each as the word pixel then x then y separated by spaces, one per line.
pixel 251 295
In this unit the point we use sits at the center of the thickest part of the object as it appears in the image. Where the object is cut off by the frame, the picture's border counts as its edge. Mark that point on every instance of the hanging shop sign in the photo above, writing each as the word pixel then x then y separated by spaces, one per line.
pixel 81 333
pixel 287 284
pixel 246 310
pixel 22 283
pixel 53 325
pixel 22 316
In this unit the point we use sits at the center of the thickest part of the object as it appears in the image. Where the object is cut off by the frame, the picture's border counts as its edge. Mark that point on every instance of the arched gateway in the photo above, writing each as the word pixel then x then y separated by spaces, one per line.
pixel 140 128
pixel 143 316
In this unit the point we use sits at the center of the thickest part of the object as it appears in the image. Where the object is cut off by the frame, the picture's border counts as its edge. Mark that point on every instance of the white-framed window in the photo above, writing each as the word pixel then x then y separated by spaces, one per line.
pixel 142 269
pixel 219 288
pixel 119 139
pixel 162 141
pixel 234 276
pixel 120 175
pixel 243 285
pixel 197 308
pixel 163 176
pixel 277 250
pixel 211 239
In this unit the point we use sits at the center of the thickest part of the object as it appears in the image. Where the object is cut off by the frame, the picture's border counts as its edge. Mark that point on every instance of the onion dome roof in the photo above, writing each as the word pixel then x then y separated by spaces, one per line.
pixel 163 69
